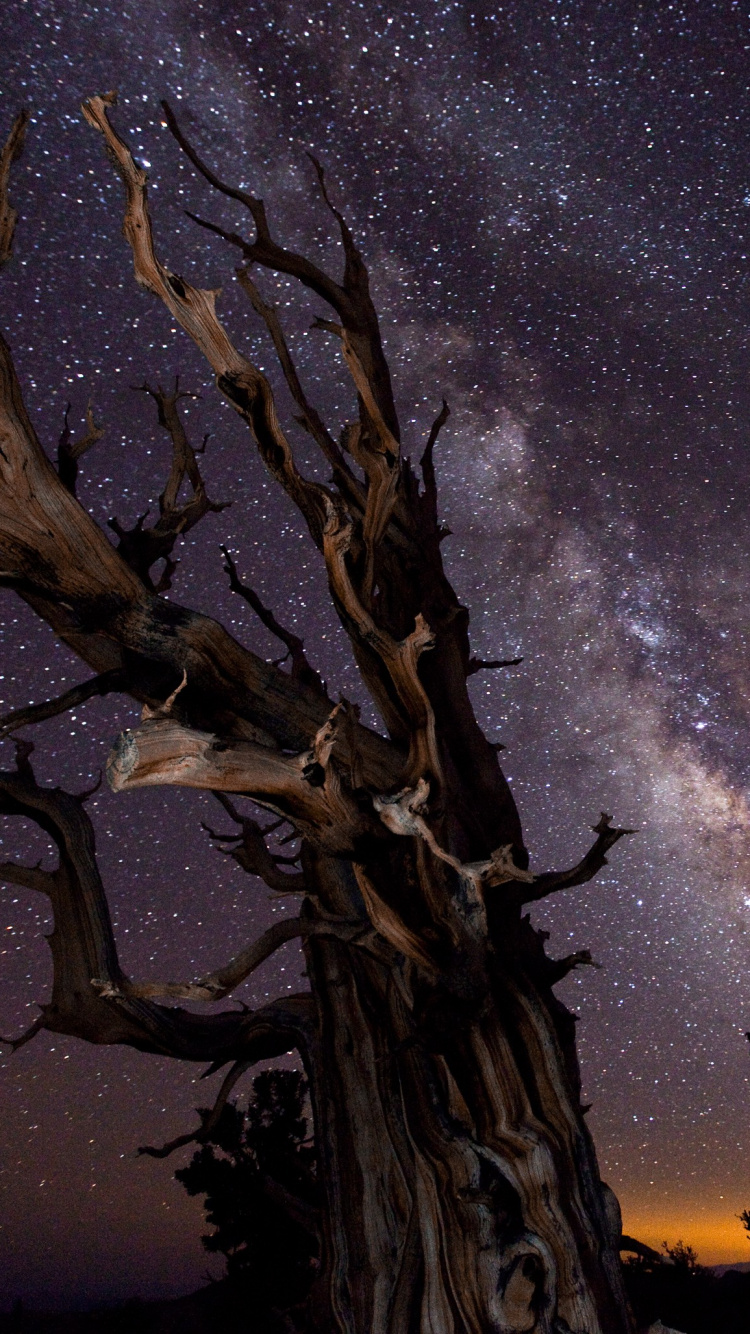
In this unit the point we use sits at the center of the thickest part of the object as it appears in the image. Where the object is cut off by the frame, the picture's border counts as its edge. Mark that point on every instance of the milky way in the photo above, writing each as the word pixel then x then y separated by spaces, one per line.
pixel 553 200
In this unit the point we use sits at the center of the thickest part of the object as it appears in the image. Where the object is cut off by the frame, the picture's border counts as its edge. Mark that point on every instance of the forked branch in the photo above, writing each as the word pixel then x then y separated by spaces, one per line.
pixel 69 451
pixel 350 298
pixel 252 854
pixel 209 1118
pixel 310 418
pixel 552 881
pixel 83 948
pixel 142 547
pixel 218 984
pixel 195 310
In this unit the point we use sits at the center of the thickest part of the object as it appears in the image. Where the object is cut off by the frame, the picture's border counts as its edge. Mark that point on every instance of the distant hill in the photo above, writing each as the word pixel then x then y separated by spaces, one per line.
pixel 203 1312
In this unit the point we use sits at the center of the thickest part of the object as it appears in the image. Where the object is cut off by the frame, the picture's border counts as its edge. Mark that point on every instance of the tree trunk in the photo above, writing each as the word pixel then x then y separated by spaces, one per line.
pixel 463 1189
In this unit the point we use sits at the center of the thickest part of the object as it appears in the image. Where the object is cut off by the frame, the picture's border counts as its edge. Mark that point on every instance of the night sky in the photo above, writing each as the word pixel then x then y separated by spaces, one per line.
pixel 553 199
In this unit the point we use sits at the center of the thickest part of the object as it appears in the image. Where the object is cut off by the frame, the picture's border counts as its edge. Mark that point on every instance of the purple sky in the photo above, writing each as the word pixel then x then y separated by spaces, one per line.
pixel 553 199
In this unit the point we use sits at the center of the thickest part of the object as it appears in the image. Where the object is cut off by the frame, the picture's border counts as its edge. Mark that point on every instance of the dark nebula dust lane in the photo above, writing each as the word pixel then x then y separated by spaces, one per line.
pixel 553 199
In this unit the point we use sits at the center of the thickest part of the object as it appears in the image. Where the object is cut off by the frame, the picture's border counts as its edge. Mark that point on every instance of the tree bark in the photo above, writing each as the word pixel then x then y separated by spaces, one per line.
pixel 463 1188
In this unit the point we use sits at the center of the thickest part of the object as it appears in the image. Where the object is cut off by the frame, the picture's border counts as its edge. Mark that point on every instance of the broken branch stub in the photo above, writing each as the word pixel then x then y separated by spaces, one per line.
pixel 304 789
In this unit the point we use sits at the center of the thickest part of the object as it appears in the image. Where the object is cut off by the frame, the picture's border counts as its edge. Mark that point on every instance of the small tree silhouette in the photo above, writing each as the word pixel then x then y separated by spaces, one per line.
pixel 683 1257
pixel 257 1171
pixel 744 1218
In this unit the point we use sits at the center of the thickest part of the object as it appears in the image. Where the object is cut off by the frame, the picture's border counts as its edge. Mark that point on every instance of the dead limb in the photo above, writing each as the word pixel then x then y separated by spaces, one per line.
pixel 142 547
pixel 83 947
pixel 218 984
pixel 103 684
pixel 427 464
pixel 69 451
pixel 16 1043
pixel 559 968
pixel 310 418
pixel 483 665
pixel 301 668
pixel 195 310
pixel 552 881
pixel 12 150
pixel 252 854
pixel 162 751
pixel 350 298
pixel 209 1119
pixel 399 657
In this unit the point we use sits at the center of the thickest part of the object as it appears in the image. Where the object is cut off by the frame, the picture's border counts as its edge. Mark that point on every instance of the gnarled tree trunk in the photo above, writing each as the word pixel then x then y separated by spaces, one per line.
pixel 463 1187
pixel 461 1192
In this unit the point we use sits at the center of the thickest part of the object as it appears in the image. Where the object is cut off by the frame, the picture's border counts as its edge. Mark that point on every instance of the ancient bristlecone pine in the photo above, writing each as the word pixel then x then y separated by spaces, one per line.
pixel 459 1186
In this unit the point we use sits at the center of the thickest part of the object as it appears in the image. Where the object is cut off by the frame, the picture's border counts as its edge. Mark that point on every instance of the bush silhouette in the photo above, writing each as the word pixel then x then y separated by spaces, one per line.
pixel 257 1172
pixel 685 1295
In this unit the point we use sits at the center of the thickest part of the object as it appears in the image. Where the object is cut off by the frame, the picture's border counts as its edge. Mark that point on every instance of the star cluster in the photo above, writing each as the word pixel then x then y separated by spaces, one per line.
pixel 553 200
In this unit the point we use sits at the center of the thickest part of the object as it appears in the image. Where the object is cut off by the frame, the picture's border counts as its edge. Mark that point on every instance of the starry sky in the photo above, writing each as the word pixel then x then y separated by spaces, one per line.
pixel 553 197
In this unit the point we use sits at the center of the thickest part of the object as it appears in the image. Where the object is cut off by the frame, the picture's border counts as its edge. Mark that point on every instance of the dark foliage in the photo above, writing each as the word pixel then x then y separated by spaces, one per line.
pixel 686 1296
pixel 258 1175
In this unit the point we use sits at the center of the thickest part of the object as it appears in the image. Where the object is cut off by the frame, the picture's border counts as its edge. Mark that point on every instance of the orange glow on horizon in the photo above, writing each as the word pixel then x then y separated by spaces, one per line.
pixel 714 1232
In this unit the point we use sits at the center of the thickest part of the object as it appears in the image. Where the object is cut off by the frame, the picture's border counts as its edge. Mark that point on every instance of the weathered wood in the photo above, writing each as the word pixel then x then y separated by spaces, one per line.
pixel 460 1185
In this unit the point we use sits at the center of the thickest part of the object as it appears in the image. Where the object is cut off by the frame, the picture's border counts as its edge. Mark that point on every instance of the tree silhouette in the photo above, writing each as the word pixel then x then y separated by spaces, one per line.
pixel 459 1187
pixel 257 1171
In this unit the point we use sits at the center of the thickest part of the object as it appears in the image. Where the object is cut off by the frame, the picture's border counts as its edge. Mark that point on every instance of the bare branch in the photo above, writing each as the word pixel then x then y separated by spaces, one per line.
pixel 399 657
pixel 427 465
pixel 241 383
pixel 141 547
pixel 252 854
pixel 213 986
pixel 31 1032
pixel 209 1119
pixel 69 451
pixel 301 668
pixel 351 298
pixel 83 947
pixel 354 266
pixel 552 881
pixel 11 152
pixel 103 684
pixel 310 416
pixel 264 250
pixel 481 664
pixel 377 450
pixel 29 877
pixel 557 969
pixel 631 1244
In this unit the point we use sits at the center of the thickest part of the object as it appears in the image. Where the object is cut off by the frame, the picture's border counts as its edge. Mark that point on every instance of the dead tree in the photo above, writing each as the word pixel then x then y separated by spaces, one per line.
pixel 460 1184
